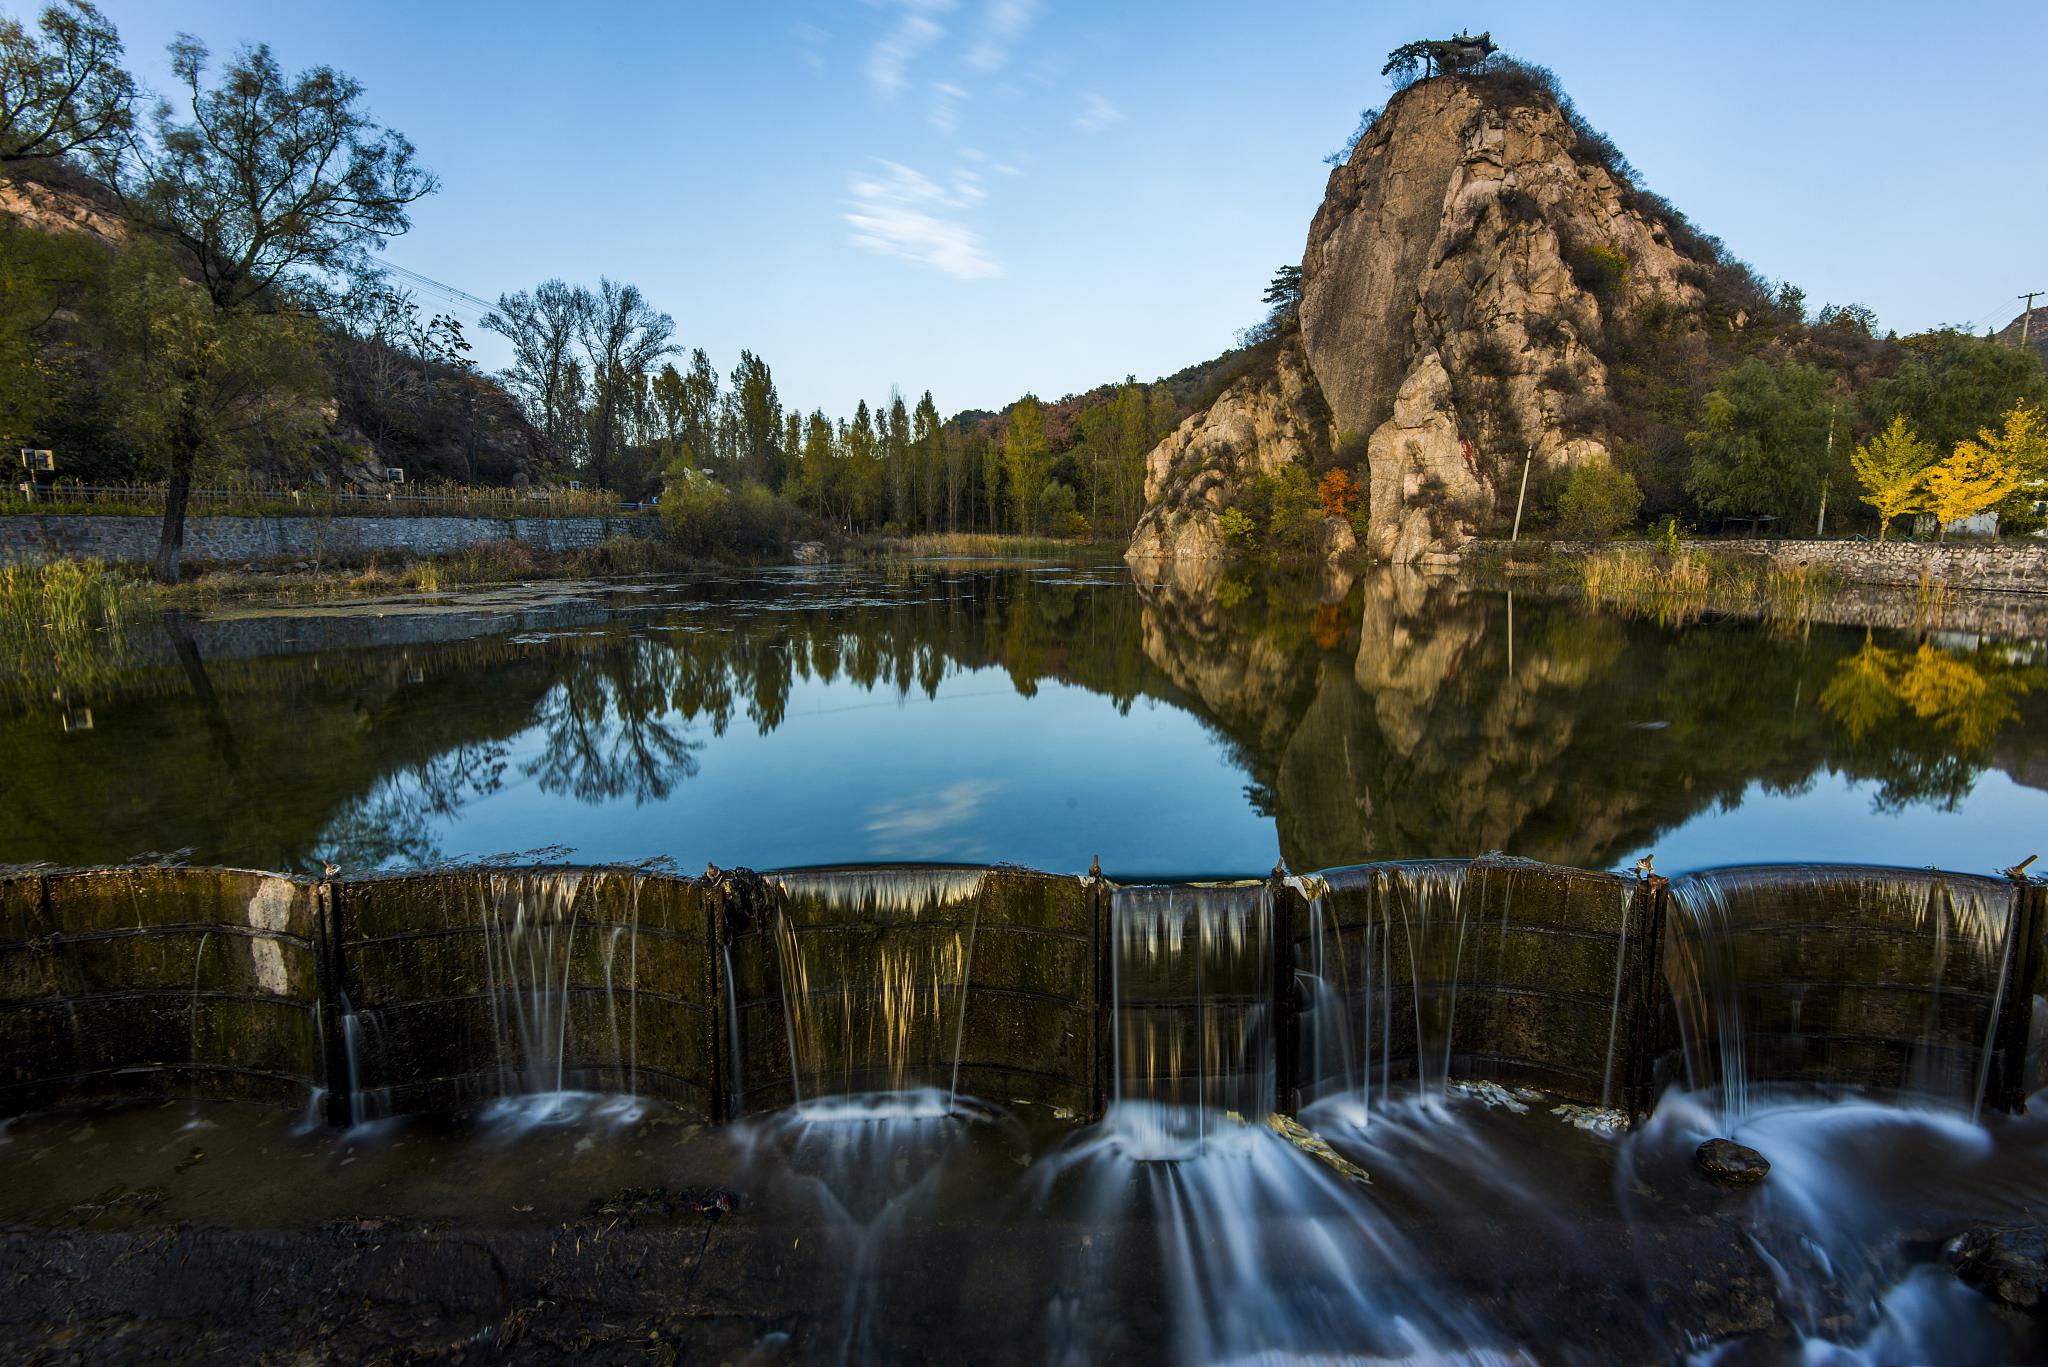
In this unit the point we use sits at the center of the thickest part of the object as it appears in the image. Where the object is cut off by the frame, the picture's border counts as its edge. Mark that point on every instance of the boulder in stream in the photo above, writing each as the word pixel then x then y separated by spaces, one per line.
pixel 2008 1263
pixel 1732 1164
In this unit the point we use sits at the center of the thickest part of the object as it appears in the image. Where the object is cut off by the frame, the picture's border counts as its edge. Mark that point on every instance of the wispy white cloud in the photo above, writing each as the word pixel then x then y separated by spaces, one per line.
pixel 946 106
pixel 948 824
pixel 810 45
pixel 914 32
pixel 1097 113
pixel 1002 23
pixel 902 212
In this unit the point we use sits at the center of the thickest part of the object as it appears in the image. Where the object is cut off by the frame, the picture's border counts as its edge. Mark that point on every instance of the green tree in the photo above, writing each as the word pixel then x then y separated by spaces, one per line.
pixel 864 473
pixel 1597 502
pixel 1762 445
pixel 896 461
pixel 622 335
pixel 1951 384
pixel 670 404
pixel 260 185
pixel 754 412
pixel 1294 516
pixel 821 480
pixel 700 409
pixel 545 376
pixel 43 278
pixel 792 450
pixel 1025 455
pixel 65 91
pixel 1892 467
pixel 928 440
pixel 199 382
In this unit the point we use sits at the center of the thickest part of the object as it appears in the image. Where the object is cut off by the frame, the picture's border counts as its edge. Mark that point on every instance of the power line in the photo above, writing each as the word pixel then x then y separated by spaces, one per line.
pixel 447 293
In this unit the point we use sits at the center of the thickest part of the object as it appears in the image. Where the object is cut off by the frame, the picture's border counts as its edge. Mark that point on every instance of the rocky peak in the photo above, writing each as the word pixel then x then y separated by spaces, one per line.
pixel 1470 262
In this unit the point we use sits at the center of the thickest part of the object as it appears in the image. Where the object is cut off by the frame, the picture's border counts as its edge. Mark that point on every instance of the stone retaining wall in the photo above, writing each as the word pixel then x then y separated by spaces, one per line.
pixel 2019 566
pixel 28 539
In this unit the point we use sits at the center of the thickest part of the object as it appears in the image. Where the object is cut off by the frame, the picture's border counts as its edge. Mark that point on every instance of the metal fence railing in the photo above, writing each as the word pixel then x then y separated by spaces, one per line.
pixel 261 500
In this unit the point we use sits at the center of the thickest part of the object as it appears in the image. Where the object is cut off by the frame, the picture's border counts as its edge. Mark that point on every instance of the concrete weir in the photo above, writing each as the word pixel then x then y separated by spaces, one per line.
pixel 737 993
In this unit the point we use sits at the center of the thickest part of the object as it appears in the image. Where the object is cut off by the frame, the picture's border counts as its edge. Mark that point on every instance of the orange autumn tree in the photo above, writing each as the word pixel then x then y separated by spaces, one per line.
pixel 1338 492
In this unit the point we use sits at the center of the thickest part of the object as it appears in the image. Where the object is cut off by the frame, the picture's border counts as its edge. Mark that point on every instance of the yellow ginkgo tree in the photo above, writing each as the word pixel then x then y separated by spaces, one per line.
pixel 2021 442
pixel 1892 467
pixel 1976 479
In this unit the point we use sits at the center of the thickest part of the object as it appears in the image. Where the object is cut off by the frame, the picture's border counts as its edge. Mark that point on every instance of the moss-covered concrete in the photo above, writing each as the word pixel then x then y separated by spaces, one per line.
pixel 157 981
pixel 236 983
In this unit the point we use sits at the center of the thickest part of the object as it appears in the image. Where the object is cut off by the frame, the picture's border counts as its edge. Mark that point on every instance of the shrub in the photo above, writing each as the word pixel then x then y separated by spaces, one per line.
pixel 1294 517
pixel 693 513
pixel 1600 268
pixel 1598 500
pixel 1361 521
pixel 1237 530
pixel 1338 493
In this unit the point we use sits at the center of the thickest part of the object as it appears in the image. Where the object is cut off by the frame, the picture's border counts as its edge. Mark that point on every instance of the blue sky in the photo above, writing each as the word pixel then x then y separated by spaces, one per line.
pixel 982 197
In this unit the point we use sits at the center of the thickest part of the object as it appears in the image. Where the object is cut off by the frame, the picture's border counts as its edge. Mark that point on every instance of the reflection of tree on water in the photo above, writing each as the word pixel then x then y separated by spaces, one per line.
pixel 1585 737
pixel 393 824
pixel 1392 721
pixel 607 732
pixel 1925 720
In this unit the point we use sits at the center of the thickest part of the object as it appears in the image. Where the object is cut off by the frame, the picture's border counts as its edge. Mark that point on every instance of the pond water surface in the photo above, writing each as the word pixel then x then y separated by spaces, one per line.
pixel 1032 713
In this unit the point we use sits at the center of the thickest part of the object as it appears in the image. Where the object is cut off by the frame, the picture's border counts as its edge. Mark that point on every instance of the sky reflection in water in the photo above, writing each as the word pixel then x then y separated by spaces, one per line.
pixel 1039 715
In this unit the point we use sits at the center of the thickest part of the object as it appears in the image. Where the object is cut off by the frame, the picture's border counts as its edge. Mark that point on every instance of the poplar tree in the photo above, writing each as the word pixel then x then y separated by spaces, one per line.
pixel 755 413
pixel 928 438
pixel 896 459
pixel 1024 459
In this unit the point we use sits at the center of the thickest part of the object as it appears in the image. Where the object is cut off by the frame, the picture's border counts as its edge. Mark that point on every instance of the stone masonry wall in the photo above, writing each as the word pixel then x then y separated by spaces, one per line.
pixel 31 539
pixel 2008 566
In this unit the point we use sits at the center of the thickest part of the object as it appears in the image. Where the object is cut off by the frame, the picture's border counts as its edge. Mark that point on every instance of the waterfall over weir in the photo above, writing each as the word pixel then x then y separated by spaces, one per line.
pixel 1192 1007
pixel 1413 976
pixel 1806 975
pixel 874 966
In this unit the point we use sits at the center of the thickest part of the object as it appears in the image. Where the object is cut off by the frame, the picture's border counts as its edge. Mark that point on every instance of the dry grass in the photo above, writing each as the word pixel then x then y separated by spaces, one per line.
pixel 487 562
pixel 1682 587
pixel 986 545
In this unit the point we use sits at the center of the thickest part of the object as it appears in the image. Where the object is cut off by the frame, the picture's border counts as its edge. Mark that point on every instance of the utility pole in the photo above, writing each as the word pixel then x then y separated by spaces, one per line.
pixel 1821 527
pixel 2027 318
pixel 1526 462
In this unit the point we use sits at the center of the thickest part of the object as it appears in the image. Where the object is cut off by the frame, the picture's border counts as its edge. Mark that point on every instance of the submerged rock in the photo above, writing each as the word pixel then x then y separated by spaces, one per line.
pixel 1732 1164
pixel 2008 1263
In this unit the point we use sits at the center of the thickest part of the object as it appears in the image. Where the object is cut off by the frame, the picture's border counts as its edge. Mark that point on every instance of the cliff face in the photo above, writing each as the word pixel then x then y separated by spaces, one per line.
pixel 1272 417
pixel 1467 264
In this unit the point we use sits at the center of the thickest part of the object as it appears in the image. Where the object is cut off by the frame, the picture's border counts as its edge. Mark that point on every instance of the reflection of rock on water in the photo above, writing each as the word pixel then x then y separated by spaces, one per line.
pixel 1470 719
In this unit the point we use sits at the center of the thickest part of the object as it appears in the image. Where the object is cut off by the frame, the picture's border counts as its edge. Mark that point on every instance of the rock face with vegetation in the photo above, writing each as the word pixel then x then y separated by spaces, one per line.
pixel 1268 419
pixel 1477 259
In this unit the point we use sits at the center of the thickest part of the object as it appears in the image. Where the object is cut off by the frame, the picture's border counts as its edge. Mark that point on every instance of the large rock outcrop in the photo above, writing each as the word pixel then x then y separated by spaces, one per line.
pixel 1272 417
pixel 1472 260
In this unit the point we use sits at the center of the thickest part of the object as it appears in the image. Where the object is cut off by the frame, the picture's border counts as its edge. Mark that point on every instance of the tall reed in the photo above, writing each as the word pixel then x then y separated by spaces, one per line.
pixel 66 619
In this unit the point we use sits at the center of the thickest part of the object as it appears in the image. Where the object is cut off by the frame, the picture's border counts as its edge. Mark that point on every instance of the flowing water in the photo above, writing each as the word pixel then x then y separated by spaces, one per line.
pixel 873 968
pixel 1776 973
pixel 1417 1212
